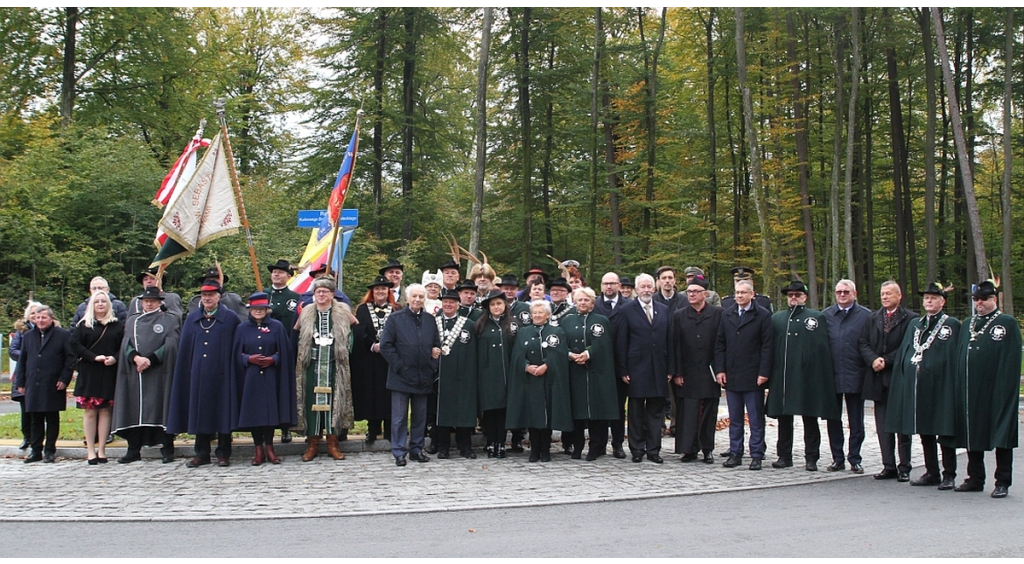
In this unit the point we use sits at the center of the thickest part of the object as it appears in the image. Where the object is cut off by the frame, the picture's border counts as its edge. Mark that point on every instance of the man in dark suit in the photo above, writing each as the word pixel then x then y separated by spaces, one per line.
pixel 42 375
pixel 879 342
pixel 609 304
pixel 641 359
pixel 846 319
pixel 743 362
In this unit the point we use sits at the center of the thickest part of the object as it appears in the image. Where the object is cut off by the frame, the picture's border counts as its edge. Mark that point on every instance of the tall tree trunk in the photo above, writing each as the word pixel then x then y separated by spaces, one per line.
pixel 981 262
pixel 611 160
pixel 735 168
pixel 481 132
pixel 801 124
pixel 650 119
pixel 837 145
pixel 851 125
pixel 408 109
pixel 767 266
pixel 526 137
pixel 67 84
pixel 595 108
pixel 924 20
pixel 1007 165
pixel 546 166
pixel 896 130
pixel 378 124
pixel 712 148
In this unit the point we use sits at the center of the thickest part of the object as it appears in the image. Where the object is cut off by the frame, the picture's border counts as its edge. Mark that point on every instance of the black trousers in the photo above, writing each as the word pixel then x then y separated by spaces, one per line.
pixel 887 442
pixel 695 425
pixel 1004 466
pixel 378 428
pixel 618 426
pixel 45 424
pixel 26 420
pixel 812 438
pixel 463 438
pixel 202 446
pixel 930 446
pixel 598 429
pixel 540 440
pixel 134 436
pixel 262 436
pixel 492 423
pixel 646 416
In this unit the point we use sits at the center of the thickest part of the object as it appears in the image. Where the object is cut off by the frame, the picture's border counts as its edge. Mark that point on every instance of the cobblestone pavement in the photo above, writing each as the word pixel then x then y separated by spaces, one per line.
pixel 370 483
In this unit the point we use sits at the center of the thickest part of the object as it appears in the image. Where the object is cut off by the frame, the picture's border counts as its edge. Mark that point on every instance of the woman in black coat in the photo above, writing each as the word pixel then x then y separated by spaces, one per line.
pixel 96 342
pixel 21 327
pixel 371 399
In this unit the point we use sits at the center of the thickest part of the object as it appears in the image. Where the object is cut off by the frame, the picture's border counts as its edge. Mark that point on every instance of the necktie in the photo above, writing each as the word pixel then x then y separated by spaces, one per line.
pixel 647 310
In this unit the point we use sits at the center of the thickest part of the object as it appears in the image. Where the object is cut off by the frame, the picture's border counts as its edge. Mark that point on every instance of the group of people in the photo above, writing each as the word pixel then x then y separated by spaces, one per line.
pixel 447 356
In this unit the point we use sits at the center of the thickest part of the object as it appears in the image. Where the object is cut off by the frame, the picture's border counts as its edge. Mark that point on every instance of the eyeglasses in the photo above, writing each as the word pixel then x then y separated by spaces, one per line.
pixel 982 299
pixel 692 292
pixel 842 292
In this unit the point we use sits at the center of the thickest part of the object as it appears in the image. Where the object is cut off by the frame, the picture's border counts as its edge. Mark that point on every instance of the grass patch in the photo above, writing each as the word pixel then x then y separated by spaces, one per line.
pixel 71 427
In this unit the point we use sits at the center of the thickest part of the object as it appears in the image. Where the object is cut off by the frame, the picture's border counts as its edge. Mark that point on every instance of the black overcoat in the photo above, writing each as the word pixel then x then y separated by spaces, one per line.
pixel 45 360
pixel 874 342
pixel 743 348
pixel 406 344
pixel 693 344
pixel 371 399
pixel 95 379
pixel 641 349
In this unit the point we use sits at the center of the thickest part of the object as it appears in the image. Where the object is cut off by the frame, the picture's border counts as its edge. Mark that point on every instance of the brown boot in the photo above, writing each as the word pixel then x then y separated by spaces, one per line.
pixel 312 448
pixel 258 459
pixel 332 448
pixel 271 456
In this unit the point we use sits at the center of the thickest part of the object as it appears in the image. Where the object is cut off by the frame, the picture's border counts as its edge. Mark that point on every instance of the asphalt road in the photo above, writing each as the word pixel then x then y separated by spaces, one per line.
pixel 857 517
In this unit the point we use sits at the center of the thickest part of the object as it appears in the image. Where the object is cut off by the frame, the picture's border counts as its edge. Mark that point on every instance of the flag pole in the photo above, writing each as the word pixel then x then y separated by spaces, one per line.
pixel 334 231
pixel 219 105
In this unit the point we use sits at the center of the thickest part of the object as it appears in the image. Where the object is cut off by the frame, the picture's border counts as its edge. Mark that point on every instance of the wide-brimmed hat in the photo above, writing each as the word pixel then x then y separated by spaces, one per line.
pixel 258 299
pixel 535 270
pixel 466 285
pixel 561 283
pixel 934 288
pixel 147 272
pixel 379 281
pixel 985 289
pixel 152 293
pixel 626 281
pixel 281 264
pixel 392 263
pixel 211 273
pixel 509 280
pixel 318 270
pixel 492 295
pixel 795 286
pixel 450 263
pixel 447 294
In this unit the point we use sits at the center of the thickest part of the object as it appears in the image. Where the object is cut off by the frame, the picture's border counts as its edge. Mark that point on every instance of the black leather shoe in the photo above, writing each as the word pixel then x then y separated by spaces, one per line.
pixel 286 436
pixel 468 453
pixel 223 462
pixel 618 452
pixel 24 444
pixel 926 480
pixel 726 453
pixel 946 485
pixel 534 455
pixel 545 456
pixel 688 457
pixel 167 458
pixel 92 462
pixel 370 439
pixel 811 466
pixel 638 458
pixel 577 455
pixel 418 457
pixel 969 486
pixel 400 461
pixel 782 463
pixel 709 458
pixel 49 458
pixel 432 449
pixel 755 464
pixel 903 477
pixel 101 460
pixel 197 462
pixel 1000 491
pixel 856 469
pixel 33 457
pixel 129 458
pixel 593 455
pixel 655 458
pixel 516 447
pixel 886 475
pixel 733 461
pixel 836 466
pixel 443 454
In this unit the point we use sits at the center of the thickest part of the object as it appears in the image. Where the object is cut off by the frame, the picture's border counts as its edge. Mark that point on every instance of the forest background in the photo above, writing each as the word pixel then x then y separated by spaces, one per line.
pixel 615 137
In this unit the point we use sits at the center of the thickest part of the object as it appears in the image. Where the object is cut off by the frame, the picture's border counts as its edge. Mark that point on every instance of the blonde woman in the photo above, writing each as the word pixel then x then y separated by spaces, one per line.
pixel 96 342
pixel 22 326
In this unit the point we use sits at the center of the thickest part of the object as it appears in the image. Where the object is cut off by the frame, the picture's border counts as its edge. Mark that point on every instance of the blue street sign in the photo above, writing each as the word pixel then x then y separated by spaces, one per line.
pixel 311 219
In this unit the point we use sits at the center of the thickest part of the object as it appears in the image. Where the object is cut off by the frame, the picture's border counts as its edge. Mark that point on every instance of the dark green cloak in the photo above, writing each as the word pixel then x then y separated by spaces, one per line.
pixel 456 378
pixel 802 382
pixel 541 402
pixel 592 385
pixel 921 397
